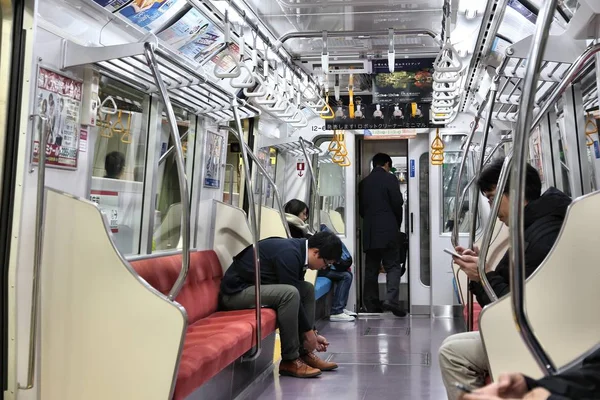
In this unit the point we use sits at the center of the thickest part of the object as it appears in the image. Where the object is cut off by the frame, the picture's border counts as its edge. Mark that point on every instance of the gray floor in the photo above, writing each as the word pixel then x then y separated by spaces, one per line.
pixel 379 358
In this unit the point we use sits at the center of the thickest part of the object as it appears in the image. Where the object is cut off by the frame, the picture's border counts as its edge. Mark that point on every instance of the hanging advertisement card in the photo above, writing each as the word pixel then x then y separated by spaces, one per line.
pixel 58 99
pixel 152 14
pixel 213 161
pixel 193 35
pixel 224 60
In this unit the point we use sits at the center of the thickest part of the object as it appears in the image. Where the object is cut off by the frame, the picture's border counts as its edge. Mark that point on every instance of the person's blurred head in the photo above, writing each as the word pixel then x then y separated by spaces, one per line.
pixel 114 164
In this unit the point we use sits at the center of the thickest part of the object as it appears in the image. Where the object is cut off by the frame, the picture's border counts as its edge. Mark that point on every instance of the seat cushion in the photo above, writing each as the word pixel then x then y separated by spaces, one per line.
pixel 322 287
pixel 212 343
pixel 200 293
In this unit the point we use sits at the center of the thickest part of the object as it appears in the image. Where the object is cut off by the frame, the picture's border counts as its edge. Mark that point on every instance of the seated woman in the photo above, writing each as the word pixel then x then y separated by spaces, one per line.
pixel 296 214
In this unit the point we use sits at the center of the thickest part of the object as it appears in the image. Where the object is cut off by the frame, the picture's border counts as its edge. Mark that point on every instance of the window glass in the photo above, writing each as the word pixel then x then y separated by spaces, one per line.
pixel 167 216
pixel 332 190
pixel 268 159
pixel 119 161
pixel 452 159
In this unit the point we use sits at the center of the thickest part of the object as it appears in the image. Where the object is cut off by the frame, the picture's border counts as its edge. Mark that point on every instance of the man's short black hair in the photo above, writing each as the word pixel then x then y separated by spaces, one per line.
pixel 380 159
pixel 328 244
pixel 114 163
pixel 488 180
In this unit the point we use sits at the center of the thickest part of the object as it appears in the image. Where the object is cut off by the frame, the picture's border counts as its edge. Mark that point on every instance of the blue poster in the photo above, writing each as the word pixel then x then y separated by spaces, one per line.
pixel 412 168
pixel 596 149
pixel 151 14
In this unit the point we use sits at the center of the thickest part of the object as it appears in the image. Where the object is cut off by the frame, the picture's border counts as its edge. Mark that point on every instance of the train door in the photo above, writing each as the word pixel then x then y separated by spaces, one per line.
pixel 398 151
pixel 418 225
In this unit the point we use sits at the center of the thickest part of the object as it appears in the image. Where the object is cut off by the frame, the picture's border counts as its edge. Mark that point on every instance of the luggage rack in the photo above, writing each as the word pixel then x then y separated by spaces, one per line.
pixel 295 148
pixel 188 87
pixel 511 73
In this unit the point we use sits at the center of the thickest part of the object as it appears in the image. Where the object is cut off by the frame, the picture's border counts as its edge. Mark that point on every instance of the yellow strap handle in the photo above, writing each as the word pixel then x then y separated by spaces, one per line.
pixel 118 126
pixel 105 127
pixel 126 138
pixel 438 143
pixel 327 107
pixel 351 95
pixel 590 128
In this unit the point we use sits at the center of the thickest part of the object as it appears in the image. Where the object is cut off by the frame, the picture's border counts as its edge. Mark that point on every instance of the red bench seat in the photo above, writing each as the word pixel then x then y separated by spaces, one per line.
pixel 214 339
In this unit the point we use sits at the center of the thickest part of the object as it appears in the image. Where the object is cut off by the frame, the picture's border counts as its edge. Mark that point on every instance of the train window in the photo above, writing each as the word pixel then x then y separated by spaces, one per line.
pixel 332 190
pixel 268 159
pixel 425 253
pixel 452 160
pixel 167 218
pixel 119 142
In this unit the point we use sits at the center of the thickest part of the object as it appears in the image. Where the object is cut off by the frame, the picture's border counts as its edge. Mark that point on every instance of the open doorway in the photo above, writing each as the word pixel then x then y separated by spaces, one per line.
pixel 398 151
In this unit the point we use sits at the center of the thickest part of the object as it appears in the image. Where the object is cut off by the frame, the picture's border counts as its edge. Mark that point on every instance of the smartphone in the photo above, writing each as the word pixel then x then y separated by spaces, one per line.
pixel 464 388
pixel 452 253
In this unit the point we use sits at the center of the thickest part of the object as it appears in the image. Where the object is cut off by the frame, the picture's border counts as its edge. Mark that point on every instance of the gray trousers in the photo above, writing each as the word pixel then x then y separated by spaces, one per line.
pixel 462 359
pixel 285 300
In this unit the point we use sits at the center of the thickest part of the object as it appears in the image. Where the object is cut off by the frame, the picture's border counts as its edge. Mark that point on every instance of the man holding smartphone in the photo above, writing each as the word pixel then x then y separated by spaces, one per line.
pixel 462 356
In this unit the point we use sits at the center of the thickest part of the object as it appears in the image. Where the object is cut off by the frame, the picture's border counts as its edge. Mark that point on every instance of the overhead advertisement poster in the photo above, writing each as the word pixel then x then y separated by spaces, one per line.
pixel 400 100
pixel 58 103
pixel 193 35
pixel 151 14
pixel 112 5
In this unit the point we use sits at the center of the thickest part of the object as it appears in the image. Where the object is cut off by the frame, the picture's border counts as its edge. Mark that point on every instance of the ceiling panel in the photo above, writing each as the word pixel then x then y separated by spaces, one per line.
pixel 290 16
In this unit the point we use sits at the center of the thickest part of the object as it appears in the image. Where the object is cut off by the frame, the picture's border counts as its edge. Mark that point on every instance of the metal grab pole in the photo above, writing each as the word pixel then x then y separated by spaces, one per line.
pixel 489 229
pixel 253 228
pixel 479 165
pixel 37 255
pixel 171 150
pixel 457 207
pixel 315 186
pixel 517 189
pixel 179 161
pixel 487 160
pixel 263 171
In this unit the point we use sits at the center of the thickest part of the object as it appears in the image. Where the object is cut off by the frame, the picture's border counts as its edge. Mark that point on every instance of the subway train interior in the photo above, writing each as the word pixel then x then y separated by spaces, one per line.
pixel 176 133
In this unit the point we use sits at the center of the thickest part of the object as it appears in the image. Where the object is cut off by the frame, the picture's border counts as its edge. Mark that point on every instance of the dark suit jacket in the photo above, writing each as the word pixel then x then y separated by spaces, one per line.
pixel 380 205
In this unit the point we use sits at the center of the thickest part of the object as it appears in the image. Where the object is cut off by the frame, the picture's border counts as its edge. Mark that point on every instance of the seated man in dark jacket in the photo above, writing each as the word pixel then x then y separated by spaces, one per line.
pixel 581 383
pixel 462 356
pixel 283 263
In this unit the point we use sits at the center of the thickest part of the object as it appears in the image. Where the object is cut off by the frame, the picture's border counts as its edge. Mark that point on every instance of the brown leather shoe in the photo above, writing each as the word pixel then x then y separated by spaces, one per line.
pixel 298 369
pixel 314 361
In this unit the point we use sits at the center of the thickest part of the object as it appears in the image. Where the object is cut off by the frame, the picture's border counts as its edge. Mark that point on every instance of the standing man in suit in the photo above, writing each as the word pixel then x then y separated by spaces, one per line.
pixel 380 205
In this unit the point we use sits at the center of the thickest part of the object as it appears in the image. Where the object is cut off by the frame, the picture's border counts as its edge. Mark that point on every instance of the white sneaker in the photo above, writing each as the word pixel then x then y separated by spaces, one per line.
pixel 341 318
pixel 350 313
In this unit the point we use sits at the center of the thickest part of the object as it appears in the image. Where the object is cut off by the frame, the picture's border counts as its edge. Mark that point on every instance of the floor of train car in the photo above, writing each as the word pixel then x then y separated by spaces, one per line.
pixel 379 357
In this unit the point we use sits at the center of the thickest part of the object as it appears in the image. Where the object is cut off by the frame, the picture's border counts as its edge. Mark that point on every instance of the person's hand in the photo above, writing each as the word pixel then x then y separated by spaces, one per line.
pixel 509 386
pixel 468 264
pixel 323 343
pixel 465 251
pixel 310 341
pixel 538 394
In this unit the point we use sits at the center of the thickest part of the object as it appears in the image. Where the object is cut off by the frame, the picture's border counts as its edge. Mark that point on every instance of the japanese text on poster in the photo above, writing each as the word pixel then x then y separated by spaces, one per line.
pixel 58 102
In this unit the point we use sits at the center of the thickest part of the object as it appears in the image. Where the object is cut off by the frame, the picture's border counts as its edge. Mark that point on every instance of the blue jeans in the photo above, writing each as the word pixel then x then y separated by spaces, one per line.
pixel 343 281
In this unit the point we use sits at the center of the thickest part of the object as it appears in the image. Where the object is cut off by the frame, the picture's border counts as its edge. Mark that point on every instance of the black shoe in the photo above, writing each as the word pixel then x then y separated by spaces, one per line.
pixel 396 309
